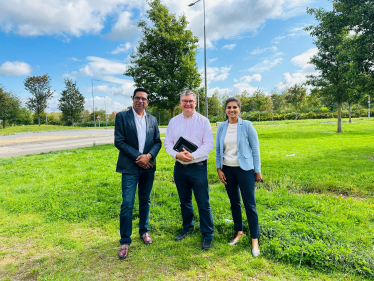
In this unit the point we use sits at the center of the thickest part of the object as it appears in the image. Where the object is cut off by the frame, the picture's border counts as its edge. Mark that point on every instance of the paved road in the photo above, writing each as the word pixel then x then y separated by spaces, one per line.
pixel 38 142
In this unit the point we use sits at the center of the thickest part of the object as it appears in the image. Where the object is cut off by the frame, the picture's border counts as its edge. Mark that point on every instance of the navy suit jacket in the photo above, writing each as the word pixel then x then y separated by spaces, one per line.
pixel 126 140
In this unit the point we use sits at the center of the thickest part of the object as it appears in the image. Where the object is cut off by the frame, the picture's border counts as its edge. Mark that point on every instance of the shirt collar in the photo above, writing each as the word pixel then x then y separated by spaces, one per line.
pixel 136 114
pixel 191 117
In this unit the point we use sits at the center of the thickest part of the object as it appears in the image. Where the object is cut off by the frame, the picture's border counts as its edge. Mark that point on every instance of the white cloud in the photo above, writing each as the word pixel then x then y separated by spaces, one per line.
pixel 98 67
pixel 215 74
pixel 305 57
pixel 249 78
pixel 229 46
pixel 122 48
pixel 212 60
pixel 300 76
pixel 259 51
pixel 74 59
pixel 227 19
pixel 15 68
pixel 61 17
pixel 265 65
pixel 277 39
pixel 125 28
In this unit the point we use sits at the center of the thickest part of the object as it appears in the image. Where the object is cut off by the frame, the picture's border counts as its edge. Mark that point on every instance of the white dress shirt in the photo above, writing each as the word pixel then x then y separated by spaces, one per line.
pixel 195 129
pixel 141 128
pixel 230 146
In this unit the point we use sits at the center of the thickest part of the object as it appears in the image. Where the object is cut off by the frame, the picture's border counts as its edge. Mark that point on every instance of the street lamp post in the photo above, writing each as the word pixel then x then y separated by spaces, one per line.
pixel 93 101
pixel 206 84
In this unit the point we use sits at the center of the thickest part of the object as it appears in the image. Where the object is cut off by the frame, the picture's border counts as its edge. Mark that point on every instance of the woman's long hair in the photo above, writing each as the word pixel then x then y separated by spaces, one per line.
pixel 230 99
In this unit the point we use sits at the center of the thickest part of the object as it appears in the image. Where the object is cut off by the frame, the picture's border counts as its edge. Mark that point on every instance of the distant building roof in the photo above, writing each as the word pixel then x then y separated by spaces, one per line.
pixel 115 112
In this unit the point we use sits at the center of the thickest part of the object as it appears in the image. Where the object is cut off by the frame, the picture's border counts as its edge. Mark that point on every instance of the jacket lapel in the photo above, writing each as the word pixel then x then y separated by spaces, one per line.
pixel 147 127
pixel 132 122
pixel 223 134
pixel 239 132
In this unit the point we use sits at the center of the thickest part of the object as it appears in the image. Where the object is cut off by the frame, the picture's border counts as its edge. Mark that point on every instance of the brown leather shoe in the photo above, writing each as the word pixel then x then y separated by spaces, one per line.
pixel 146 238
pixel 123 251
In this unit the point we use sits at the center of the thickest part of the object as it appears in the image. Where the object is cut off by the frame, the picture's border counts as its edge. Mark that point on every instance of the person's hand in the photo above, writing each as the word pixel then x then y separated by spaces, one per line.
pixel 184 156
pixel 143 162
pixel 258 177
pixel 221 176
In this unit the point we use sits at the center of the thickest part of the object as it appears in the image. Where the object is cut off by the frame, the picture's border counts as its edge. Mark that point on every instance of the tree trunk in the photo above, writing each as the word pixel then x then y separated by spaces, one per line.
pixel 72 121
pixel 39 119
pixel 339 118
pixel 349 112
pixel 296 115
pixel 272 116
pixel 3 124
pixel 172 112
pixel 259 115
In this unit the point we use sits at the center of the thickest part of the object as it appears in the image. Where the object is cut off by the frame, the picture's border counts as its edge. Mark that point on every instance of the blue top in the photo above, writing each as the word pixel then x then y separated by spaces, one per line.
pixel 248 147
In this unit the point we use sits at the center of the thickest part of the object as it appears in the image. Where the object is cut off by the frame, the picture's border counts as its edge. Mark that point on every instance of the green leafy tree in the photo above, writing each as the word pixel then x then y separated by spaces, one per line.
pixel 71 102
pixel 332 59
pixel 295 95
pixel 164 61
pixel 40 88
pixel 214 104
pixel 9 105
pixel 246 101
pixel 261 102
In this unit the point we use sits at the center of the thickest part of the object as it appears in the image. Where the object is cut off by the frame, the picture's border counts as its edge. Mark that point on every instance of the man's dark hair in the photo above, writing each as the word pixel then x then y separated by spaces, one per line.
pixel 140 90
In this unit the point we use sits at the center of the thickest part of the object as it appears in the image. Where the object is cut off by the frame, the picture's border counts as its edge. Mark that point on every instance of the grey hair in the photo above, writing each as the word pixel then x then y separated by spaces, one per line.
pixel 187 93
pixel 230 99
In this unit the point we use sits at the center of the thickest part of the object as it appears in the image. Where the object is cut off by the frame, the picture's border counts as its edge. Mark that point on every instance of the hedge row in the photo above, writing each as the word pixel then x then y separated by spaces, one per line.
pixel 268 116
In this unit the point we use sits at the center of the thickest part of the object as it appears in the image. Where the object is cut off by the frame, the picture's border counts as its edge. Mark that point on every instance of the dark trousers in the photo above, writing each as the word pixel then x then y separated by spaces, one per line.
pixel 194 178
pixel 245 180
pixel 144 181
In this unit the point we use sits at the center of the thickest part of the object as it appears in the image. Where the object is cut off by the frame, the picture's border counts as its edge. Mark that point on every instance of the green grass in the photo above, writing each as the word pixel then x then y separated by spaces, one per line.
pixel 34 128
pixel 59 214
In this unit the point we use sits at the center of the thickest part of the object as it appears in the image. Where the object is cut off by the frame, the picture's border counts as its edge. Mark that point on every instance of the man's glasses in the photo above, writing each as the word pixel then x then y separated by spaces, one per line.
pixel 188 101
pixel 140 98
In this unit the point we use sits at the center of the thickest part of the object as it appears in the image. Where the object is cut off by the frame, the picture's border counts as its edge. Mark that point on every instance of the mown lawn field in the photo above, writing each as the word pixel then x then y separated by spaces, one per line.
pixel 59 214
pixel 34 128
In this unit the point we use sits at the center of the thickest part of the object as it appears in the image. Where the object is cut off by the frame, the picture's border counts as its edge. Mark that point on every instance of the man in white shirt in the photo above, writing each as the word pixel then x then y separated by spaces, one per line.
pixel 190 170
pixel 137 138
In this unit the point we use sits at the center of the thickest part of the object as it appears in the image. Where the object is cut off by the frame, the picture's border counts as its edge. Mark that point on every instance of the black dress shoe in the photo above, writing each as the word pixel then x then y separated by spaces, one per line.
pixel 180 236
pixel 207 243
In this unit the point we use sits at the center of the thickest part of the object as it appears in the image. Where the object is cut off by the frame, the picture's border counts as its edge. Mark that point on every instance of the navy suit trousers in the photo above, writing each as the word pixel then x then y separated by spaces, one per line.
pixel 144 181
pixel 194 178
pixel 245 180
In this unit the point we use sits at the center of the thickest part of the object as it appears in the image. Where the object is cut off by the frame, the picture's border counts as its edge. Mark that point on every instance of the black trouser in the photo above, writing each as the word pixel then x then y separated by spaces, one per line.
pixel 194 178
pixel 245 180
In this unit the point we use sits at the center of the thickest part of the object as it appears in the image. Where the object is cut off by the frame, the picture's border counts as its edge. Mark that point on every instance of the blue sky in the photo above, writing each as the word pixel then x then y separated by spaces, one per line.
pixel 250 44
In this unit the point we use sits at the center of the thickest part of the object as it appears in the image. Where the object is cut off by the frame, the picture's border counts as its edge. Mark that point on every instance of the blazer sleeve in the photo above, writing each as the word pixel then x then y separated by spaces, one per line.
pixel 255 147
pixel 218 148
pixel 156 139
pixel 120 139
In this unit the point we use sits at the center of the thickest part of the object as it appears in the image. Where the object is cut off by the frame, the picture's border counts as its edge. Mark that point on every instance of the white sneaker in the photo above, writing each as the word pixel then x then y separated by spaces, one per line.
pixel 255 253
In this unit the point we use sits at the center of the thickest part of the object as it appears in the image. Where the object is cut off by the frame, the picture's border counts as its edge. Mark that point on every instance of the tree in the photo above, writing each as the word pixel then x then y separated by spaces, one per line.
pixel 71 102
pixel 164 61
pixel 332 59
pixel 9 105
pixel 40 88
pixel 295 95
pixel 261 102
pixel 214 105
pixel 246 101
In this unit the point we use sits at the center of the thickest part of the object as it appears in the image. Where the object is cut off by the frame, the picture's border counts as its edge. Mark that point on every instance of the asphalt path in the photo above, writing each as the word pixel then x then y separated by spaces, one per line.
pixel 38 142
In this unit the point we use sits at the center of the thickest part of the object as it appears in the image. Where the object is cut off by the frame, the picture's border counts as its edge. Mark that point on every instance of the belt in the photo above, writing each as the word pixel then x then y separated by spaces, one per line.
pixel 193 164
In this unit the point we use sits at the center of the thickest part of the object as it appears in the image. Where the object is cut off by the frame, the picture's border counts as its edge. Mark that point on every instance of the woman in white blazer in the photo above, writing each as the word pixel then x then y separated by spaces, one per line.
pixel 238 167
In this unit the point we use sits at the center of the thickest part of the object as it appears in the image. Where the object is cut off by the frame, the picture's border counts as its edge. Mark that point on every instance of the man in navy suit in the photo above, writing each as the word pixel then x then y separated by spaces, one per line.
pixel 137 138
